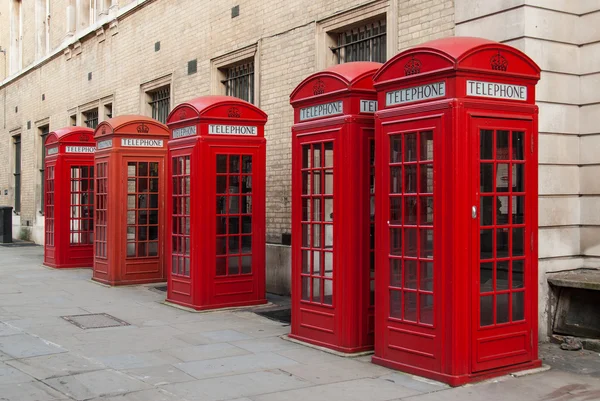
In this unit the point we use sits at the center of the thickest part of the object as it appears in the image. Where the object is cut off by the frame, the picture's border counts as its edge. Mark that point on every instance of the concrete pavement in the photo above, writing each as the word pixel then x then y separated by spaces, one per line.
pixel 168 354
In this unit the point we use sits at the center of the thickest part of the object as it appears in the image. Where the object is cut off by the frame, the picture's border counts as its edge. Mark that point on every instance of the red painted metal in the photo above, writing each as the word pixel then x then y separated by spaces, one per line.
pixel 69 197
pixel 129 243
pixel 456 190
pixel 217 165
pixel 332 175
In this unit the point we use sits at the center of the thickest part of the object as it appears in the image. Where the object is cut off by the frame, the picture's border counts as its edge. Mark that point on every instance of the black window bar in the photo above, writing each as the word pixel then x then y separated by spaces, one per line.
pixel 240 81
pixel 43 133
pixel 17 174
pixel 363 43
pixel 160 104
pixel 91 118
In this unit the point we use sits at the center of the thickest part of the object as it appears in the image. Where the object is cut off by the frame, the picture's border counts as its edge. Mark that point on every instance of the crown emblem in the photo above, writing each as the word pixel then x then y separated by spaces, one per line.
pixel 142 129
pixel 499 62
pixel 103 130
pixel 319 87
pixel 84 138
pixel 413 66
pixel 233 112
pixel 182 114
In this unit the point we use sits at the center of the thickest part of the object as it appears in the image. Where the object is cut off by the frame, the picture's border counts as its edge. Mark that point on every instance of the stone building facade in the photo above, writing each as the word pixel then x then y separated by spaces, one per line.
pixel 77 62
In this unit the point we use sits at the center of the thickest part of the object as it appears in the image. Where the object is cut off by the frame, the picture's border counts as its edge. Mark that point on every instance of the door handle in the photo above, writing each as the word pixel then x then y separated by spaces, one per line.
pixel 474 212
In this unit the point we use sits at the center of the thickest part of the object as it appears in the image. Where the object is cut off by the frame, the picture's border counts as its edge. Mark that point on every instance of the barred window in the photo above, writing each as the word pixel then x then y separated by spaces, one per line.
pixel 160 103
pixel 90 118
pixel 43 133
pixel 362 43
pixel 239 81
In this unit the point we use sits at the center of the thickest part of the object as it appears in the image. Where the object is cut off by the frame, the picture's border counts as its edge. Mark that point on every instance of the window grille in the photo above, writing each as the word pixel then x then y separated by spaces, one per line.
pixel 91 118
pixel 43 133
pixel 160 103
pixel 240 81
pixel 362 43
pixel 17 173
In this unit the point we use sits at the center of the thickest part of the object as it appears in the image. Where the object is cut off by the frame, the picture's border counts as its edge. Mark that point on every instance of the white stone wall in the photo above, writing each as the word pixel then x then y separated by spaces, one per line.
pixel 559 35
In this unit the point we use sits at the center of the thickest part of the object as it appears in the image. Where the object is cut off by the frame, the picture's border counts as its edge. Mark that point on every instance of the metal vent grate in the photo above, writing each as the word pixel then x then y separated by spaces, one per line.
pixel 95 321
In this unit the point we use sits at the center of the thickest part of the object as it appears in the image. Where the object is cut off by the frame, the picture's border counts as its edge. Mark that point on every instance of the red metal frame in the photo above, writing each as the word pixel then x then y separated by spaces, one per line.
pixel 217 154
pixel 333 175
pixel 69 187
pixel 130 201
pixel 463 307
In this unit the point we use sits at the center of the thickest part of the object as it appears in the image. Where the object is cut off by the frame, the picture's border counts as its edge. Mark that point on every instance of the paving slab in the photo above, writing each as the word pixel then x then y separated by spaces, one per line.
pixel 96 384
pixel 32 391
pixel 207 351
pixel 272 344
pixel 331 372
pixel 10 375
pixel 56 365
pixel 160 375
pixel 235 365
pixel 144 395
pixel 308 355
pixel 25 345
pixel 354 390
pixel 225 335
pixel 6 330
pixel 141 360
pixel 232 387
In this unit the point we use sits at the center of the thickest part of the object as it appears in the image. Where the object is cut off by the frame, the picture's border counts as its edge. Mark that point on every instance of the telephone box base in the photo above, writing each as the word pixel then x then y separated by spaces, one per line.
pixel 113 283
pixel 69 266
pixel 200 308
pixel 338 348
pixel 459 380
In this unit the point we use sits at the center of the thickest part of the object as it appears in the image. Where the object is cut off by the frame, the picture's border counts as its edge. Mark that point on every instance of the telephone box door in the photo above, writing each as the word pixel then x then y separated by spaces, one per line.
pixel 503 207
pixel 410 294
pixel 237 188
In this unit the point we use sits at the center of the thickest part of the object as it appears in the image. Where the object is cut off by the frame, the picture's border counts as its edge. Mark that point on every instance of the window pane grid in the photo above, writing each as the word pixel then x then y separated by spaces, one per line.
pixel 91 118
pixel 239 81
pixel 411 227
pixel 142 209
pixel 363 43
pixel 160 104
pixel 317 223
pixel 49 212
pixel 234 231
pixel 502 227
pixel 81 223
pixel 181 216
pixel 101 207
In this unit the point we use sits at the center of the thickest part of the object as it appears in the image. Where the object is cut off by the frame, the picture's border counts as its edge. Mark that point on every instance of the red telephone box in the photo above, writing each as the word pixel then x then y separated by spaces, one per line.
pixel 333 156
pixel 216 211
pixel 456 193
pixel 130 199
pixel 69 197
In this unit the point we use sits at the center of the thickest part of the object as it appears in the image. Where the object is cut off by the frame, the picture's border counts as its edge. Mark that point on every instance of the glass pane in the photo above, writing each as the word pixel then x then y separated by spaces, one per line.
pixel 518 306
pixel 410 242
pixel 305 235
pixel 486 277
pixel 518 181
pixel 395 180
pixel 131 202
pixel 317 263
pixel 396 304
pixel 234 225
pixel 486 315
pixel 426 279
pixel 246 264
pixel 234 165
pixel 486 210
pixel 517 274
pixel 246 164
pixel 410 306
pixel 187 267
pixel 234 244
pixel 131 249
pixel 328 236
pixel 410 210
pixel 502 308
pixel 221 245
pixel 487 177
pixel 395 210
pixel 153 249
pixel 502 210
pixel 131 169
pixel 518 206
pixel 328 209
pixel 502 276
pixel 328 264
pixel 316 284
pixel 501 243
pixel 316 182
pixel 234 264
pixel 502 177
pixel 396 149
pixel 486 142
pixel 410 179
pixel 410 147
pixel 426 244
pixel 246 224
pixel 328 182
pixel 131 217
pixel 396 272
pixel 486 244
pixel 221 267
pixel 396 241
pixel 426 313
pixel 234 204
pixel 426 212
pixel 426 145
pixel 328 292
pixel 143 169
pixel 154 169
pixel 316 235
pixel 502 145
pixel 306 156
pixel 221 184
pixel 246 204
pixel 306 262
pixel 517 145
pixel 517 242
pixel 317 156
pixel 131 185
pixel 221 205
pixel 305 288
pixel 328 154
pixel 410 274
pixel 316 210
pixel 246 184
pixel 234 184
pixel 305 209
pixel 426 175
